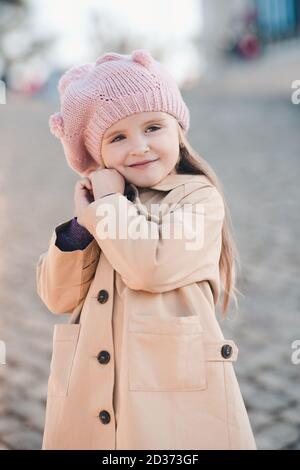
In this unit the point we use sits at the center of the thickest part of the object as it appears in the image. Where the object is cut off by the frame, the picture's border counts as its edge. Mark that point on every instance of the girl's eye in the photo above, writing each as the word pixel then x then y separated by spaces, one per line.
pixel 121 135
pixel 154 127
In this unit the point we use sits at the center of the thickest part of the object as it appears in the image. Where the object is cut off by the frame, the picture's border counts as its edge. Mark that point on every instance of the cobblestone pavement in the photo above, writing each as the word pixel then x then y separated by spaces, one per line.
pixel 251 137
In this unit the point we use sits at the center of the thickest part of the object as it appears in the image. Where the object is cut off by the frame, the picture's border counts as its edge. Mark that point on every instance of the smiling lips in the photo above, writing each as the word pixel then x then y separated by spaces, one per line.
pixel 143 164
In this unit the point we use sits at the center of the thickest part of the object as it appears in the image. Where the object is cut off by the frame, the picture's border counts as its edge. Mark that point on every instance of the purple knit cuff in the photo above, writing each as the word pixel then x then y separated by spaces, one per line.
pixel 73 237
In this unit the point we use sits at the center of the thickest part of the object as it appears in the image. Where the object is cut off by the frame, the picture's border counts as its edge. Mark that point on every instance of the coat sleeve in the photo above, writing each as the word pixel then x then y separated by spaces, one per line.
pixel 159 263
pixel 63 277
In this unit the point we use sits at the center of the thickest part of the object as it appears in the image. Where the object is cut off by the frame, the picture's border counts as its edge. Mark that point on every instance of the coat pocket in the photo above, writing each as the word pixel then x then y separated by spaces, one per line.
pixel 166 354
pixel 65 338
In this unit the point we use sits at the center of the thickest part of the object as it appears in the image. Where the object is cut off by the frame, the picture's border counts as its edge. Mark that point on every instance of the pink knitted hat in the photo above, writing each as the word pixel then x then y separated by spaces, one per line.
pixel 94 96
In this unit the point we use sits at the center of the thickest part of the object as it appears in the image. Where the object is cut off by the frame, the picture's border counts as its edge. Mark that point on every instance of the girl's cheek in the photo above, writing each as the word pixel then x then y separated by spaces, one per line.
pixel 118 161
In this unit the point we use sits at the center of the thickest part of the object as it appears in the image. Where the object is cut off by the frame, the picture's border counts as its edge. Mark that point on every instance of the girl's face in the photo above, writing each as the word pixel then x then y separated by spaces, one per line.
pixel 126 141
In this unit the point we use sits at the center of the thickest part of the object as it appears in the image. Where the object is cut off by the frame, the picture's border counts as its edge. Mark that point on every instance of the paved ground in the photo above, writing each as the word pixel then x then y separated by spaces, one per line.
pixel 249 131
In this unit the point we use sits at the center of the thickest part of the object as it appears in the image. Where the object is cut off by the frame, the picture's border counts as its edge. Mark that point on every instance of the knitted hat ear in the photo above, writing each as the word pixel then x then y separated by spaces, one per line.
pixel 75 73
pixel 56 124
pixel 141 56
pixel 109 56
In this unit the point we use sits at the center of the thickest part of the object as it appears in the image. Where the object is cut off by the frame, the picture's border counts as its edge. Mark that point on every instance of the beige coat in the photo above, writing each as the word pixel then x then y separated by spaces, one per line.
pixel 147 366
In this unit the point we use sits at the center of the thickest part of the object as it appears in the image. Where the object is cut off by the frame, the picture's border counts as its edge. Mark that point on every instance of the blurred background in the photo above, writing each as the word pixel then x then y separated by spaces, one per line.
pixel 237 64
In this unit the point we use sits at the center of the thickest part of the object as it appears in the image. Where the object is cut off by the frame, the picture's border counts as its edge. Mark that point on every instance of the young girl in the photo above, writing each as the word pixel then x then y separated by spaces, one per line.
pixel 144 365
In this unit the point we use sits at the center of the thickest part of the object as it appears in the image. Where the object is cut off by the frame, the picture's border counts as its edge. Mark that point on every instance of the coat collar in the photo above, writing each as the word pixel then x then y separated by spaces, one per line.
pixel 166 184
pixel 172 181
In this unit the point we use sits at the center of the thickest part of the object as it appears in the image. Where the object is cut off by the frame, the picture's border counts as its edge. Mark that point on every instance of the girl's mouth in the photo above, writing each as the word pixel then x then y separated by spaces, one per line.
pixel 143 165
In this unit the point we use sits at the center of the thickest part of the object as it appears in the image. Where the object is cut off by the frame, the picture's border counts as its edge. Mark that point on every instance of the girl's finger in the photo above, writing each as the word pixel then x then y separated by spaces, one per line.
pixel 85 183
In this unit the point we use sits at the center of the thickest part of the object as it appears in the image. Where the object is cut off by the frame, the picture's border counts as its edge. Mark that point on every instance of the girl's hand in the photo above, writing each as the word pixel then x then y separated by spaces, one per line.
pixel 106 181
pixel 83 195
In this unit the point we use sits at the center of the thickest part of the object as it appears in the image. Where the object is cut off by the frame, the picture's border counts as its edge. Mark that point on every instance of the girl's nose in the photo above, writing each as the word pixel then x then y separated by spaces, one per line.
pixel 139 149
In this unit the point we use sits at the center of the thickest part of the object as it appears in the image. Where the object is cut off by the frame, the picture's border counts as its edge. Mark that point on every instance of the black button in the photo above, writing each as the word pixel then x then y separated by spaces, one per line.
pixel 102 296
pixel 104 417
pixel 226 351
pixel 103 357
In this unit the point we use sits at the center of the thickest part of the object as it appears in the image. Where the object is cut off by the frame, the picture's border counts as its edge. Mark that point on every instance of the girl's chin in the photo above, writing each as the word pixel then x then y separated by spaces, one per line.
pixel 147 182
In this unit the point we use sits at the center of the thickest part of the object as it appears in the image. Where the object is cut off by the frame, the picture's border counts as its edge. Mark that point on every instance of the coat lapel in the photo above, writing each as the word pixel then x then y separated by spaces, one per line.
pixel 170 182
pixel 166 184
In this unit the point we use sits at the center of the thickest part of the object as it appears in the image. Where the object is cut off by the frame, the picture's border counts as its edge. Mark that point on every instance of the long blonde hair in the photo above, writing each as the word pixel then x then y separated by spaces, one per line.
pixel 191 162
